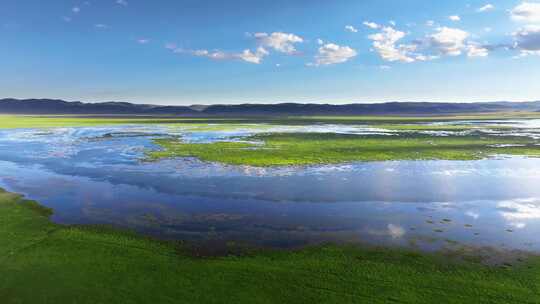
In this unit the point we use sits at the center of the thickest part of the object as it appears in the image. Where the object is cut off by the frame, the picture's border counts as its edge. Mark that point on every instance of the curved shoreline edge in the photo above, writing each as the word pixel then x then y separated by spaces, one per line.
pixel 42 262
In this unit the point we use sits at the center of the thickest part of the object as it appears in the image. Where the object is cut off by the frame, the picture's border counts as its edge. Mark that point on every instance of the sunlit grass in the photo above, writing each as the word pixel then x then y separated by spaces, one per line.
pixel 283 149
pixel 13 121
pixel 52 121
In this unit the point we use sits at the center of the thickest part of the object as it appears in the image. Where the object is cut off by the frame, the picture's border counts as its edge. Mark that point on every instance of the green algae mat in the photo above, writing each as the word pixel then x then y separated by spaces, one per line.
pixel 41 262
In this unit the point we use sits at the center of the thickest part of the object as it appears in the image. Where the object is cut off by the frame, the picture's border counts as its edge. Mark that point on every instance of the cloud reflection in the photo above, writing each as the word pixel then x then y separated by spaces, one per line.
pixel 395 231
pixel 520 209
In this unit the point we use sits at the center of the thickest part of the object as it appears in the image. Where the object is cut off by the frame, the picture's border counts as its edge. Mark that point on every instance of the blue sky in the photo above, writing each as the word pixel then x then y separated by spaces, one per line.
pixel 202 51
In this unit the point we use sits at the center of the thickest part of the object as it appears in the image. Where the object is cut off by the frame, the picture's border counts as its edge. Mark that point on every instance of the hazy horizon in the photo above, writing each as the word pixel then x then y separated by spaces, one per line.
pixel 268 103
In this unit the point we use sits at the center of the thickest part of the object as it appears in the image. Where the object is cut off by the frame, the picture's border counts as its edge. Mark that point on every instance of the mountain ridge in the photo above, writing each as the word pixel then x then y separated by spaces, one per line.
pixel 58 106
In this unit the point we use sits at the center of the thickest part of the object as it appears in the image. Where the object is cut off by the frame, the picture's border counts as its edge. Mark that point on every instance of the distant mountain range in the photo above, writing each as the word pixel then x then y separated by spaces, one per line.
pixel 51 106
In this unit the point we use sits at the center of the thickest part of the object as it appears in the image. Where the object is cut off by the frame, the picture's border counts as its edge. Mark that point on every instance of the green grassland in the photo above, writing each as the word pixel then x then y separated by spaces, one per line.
pixel 19 121
pixel 52 121
pixel 41 262
pixel 282 149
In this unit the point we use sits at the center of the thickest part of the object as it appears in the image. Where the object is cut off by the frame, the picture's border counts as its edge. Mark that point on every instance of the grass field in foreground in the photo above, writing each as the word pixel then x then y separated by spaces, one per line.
pixel 281 149
pixel 41 262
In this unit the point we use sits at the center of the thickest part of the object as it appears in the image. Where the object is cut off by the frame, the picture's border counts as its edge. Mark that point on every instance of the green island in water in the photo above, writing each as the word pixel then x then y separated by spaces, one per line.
pixel 285 149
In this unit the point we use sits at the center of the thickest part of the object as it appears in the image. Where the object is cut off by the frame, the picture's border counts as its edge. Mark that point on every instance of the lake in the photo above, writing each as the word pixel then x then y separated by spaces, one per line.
pixel 98 175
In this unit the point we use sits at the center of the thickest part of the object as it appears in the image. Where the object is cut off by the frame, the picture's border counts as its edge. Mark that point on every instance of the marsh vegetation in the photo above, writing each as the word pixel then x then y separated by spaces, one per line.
pixel 286 149
pixel 407 221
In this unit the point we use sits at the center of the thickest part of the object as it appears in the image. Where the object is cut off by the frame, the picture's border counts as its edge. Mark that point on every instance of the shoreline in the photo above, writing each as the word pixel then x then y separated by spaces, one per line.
pixel 92 262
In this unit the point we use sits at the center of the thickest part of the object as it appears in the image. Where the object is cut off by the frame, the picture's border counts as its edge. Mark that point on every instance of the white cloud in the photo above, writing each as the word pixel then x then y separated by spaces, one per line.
pixel 485 8
pixel 278 41
pixel 392 23
pixel 76 9
pixel 477 50
pixel 320 42
pixel 281 42
pixel 351 29
pixel 455 18
pixel 385 41
pixel 331 53
pixel 430 23
pixel 371 25
pixel 449 41
pixel 205 53
pixel 488 29
pixel 527 40
pixel 254 57
pixel 526 12
pixel 67 19
pixel 420 57
pixel 143 41
pixel 385 67
pixel 122 2
pixel 445 41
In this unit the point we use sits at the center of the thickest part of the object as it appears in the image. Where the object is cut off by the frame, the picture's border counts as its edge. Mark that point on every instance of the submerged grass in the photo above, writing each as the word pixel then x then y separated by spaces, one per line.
pixel 41 262
pixel 282 149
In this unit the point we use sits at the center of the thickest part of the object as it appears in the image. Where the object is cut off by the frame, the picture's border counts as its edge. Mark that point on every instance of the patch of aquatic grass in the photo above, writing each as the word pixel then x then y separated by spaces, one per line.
pixel 282 149
pixel 41 262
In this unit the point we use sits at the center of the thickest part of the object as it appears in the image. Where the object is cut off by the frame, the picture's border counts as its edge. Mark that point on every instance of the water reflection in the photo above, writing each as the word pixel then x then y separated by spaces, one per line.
pixel 95 175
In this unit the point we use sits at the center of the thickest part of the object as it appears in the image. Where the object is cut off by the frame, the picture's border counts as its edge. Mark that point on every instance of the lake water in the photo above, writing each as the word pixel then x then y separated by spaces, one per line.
pixel 96 175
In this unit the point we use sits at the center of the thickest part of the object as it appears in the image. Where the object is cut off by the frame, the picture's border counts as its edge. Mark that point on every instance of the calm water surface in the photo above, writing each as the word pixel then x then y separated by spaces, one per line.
pixel 98 176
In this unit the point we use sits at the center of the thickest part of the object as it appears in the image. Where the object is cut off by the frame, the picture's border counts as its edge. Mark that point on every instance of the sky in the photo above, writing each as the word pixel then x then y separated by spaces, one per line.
pixel 247 51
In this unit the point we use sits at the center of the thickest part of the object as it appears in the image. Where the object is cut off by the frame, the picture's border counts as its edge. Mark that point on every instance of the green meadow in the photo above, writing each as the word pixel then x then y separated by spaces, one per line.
pixel 52 121
pixel 59 121
pixel 283 149
pixel 42 262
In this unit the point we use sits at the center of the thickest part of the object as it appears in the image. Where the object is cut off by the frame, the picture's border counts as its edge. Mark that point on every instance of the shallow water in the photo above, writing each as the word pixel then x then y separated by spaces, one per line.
pixel 96 175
